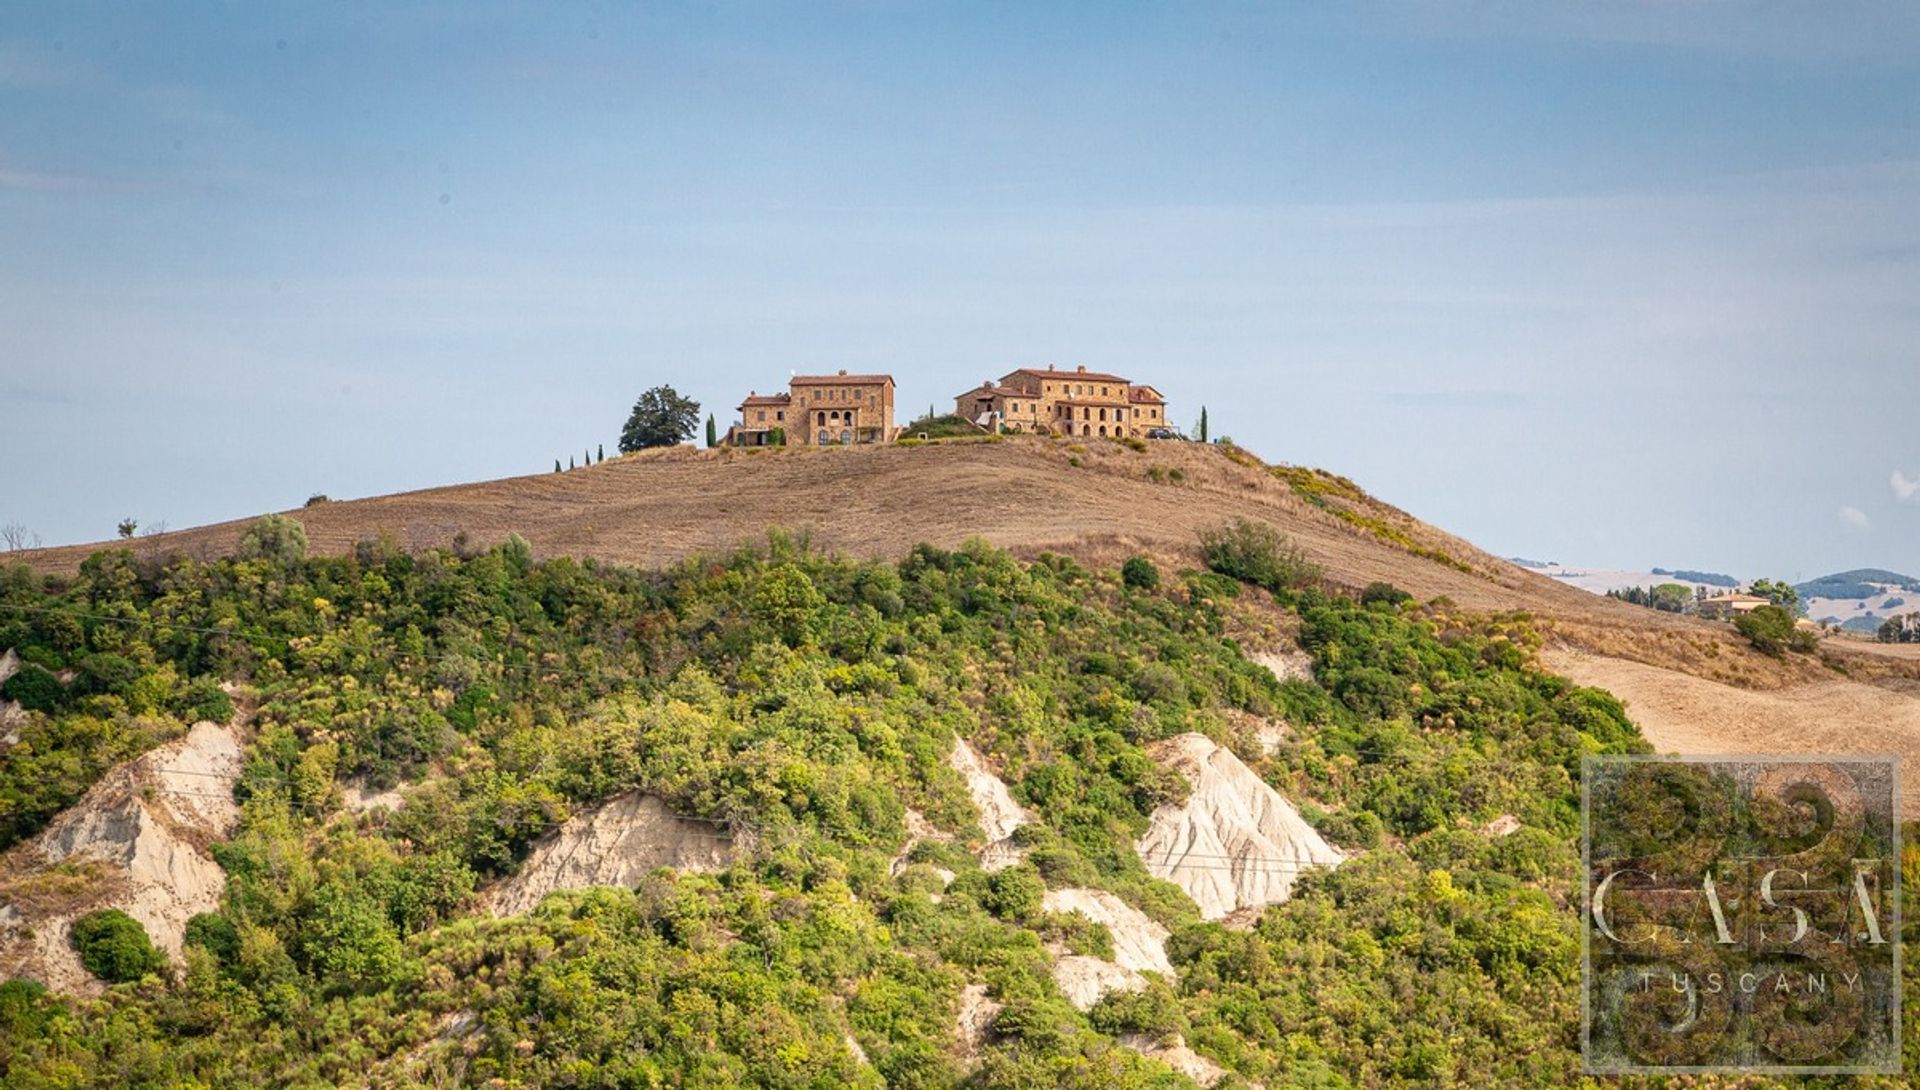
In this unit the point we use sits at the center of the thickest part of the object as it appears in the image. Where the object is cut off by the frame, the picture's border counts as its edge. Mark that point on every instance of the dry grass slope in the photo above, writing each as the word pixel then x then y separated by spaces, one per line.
pixel 1098 500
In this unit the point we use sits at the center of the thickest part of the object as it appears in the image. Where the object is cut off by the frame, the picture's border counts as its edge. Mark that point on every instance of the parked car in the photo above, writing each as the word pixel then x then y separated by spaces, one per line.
pixel 1163 433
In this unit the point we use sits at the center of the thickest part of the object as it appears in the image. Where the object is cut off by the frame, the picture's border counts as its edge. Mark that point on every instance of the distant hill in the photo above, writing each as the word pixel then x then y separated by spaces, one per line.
pixel 1710 578
pixel 1858 583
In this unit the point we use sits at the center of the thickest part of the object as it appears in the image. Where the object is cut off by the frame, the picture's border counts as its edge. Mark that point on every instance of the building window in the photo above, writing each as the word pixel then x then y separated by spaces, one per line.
pixel 859 395
pixel 778 415
pixel 823 437
pixel 761 415
pixel 846 436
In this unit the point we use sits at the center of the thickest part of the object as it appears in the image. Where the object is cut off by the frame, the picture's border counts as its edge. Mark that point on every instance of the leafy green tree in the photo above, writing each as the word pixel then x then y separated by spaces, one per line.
pixel 777 437
pixel 1254 552
pixel 1670 597
pixel 216 934
pixel 274 537
pixel 114 947
pixel 1771 629
pixel 1139 573
pixel 127 527
pixel 788 601
pixel 1383 593
pixel 1777 591
pixel 660 418
pixel 34 688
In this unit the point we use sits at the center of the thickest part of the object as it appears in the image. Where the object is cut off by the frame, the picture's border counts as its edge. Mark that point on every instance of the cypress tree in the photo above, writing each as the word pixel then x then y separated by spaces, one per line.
pixel 602 448
pixel 556 465
pixel 713 436
pixel 1203 423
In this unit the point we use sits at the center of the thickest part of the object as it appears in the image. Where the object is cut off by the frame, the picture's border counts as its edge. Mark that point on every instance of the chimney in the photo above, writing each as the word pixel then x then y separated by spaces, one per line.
pixel 1082 369
pixel 843 370
pixel 1049 366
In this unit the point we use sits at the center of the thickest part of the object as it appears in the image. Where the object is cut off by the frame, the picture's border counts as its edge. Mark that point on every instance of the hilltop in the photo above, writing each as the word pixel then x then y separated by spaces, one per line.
pixel 834 807
pixel 1096 500
pixel 1093 499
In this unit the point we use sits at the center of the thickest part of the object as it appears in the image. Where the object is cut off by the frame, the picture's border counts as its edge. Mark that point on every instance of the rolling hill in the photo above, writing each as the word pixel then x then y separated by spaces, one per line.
pixel 997 810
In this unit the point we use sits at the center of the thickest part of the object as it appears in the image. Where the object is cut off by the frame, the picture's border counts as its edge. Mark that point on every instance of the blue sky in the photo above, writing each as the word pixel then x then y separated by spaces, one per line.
pixel 1620 284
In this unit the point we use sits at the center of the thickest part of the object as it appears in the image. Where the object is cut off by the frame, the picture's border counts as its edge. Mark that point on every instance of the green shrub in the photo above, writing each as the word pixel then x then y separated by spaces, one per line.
pixel 106 673
pixel 1139 573
pixel 274 537
pixel 1771 629
pixel 216 934
pixel 1256 553
pixel 1383 593
pixel 35 689
pixel 114 947
pixel 1015 893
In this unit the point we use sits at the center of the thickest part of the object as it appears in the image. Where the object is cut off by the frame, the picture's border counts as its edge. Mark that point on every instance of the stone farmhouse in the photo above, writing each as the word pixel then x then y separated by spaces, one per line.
pixel 819 410
pixel 826 410
pixel 1076 402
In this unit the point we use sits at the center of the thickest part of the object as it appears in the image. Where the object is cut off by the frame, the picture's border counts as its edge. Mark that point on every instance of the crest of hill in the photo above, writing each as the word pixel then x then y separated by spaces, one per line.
pixel 1097 499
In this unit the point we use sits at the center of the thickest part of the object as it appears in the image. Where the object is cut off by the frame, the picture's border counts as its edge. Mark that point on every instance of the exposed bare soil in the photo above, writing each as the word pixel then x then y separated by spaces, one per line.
pixel 138 841
pixel 1680 713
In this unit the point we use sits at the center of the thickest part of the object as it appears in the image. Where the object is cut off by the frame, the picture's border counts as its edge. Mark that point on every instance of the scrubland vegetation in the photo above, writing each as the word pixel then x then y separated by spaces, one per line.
pixel 805 702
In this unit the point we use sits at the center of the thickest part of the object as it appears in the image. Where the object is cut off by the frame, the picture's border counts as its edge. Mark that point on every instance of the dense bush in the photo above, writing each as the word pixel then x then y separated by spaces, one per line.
pixel 35 689
pixel 1139 573
pixel 1256 553
pixel 1772 629
pixel 114 947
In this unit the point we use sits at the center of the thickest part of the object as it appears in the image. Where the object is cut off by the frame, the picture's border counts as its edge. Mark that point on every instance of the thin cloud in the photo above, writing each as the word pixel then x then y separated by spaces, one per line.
pixel 1854 519
pixel 48 181
pixel 21 68
pixel 1904 486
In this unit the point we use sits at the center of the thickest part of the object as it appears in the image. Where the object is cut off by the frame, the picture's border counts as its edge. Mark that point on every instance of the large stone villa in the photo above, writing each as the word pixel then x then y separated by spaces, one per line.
pixel 819 410
pixel 824 410
pixel 1076 402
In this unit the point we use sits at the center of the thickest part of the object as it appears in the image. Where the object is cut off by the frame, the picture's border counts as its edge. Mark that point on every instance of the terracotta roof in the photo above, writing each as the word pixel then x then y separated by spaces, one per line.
pixel 1075 374
pixel 766 399
pixel 1145 393
pixel 998 391
pixel 841 379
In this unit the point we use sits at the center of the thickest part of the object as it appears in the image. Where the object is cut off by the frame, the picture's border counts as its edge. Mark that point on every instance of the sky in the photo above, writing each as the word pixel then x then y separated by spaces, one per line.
pixel 1613 284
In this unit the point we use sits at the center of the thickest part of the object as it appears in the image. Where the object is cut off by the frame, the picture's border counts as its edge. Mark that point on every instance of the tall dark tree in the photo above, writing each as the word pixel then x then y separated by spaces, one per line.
pixel 556 465
pixel 713 435
pixel 1203 423
pixel 601 450
pixel 661 418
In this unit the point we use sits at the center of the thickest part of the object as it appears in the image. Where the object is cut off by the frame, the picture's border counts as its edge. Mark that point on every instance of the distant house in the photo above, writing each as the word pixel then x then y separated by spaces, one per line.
pixel 819 410
pixel 1076 402
pixel 1725 607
